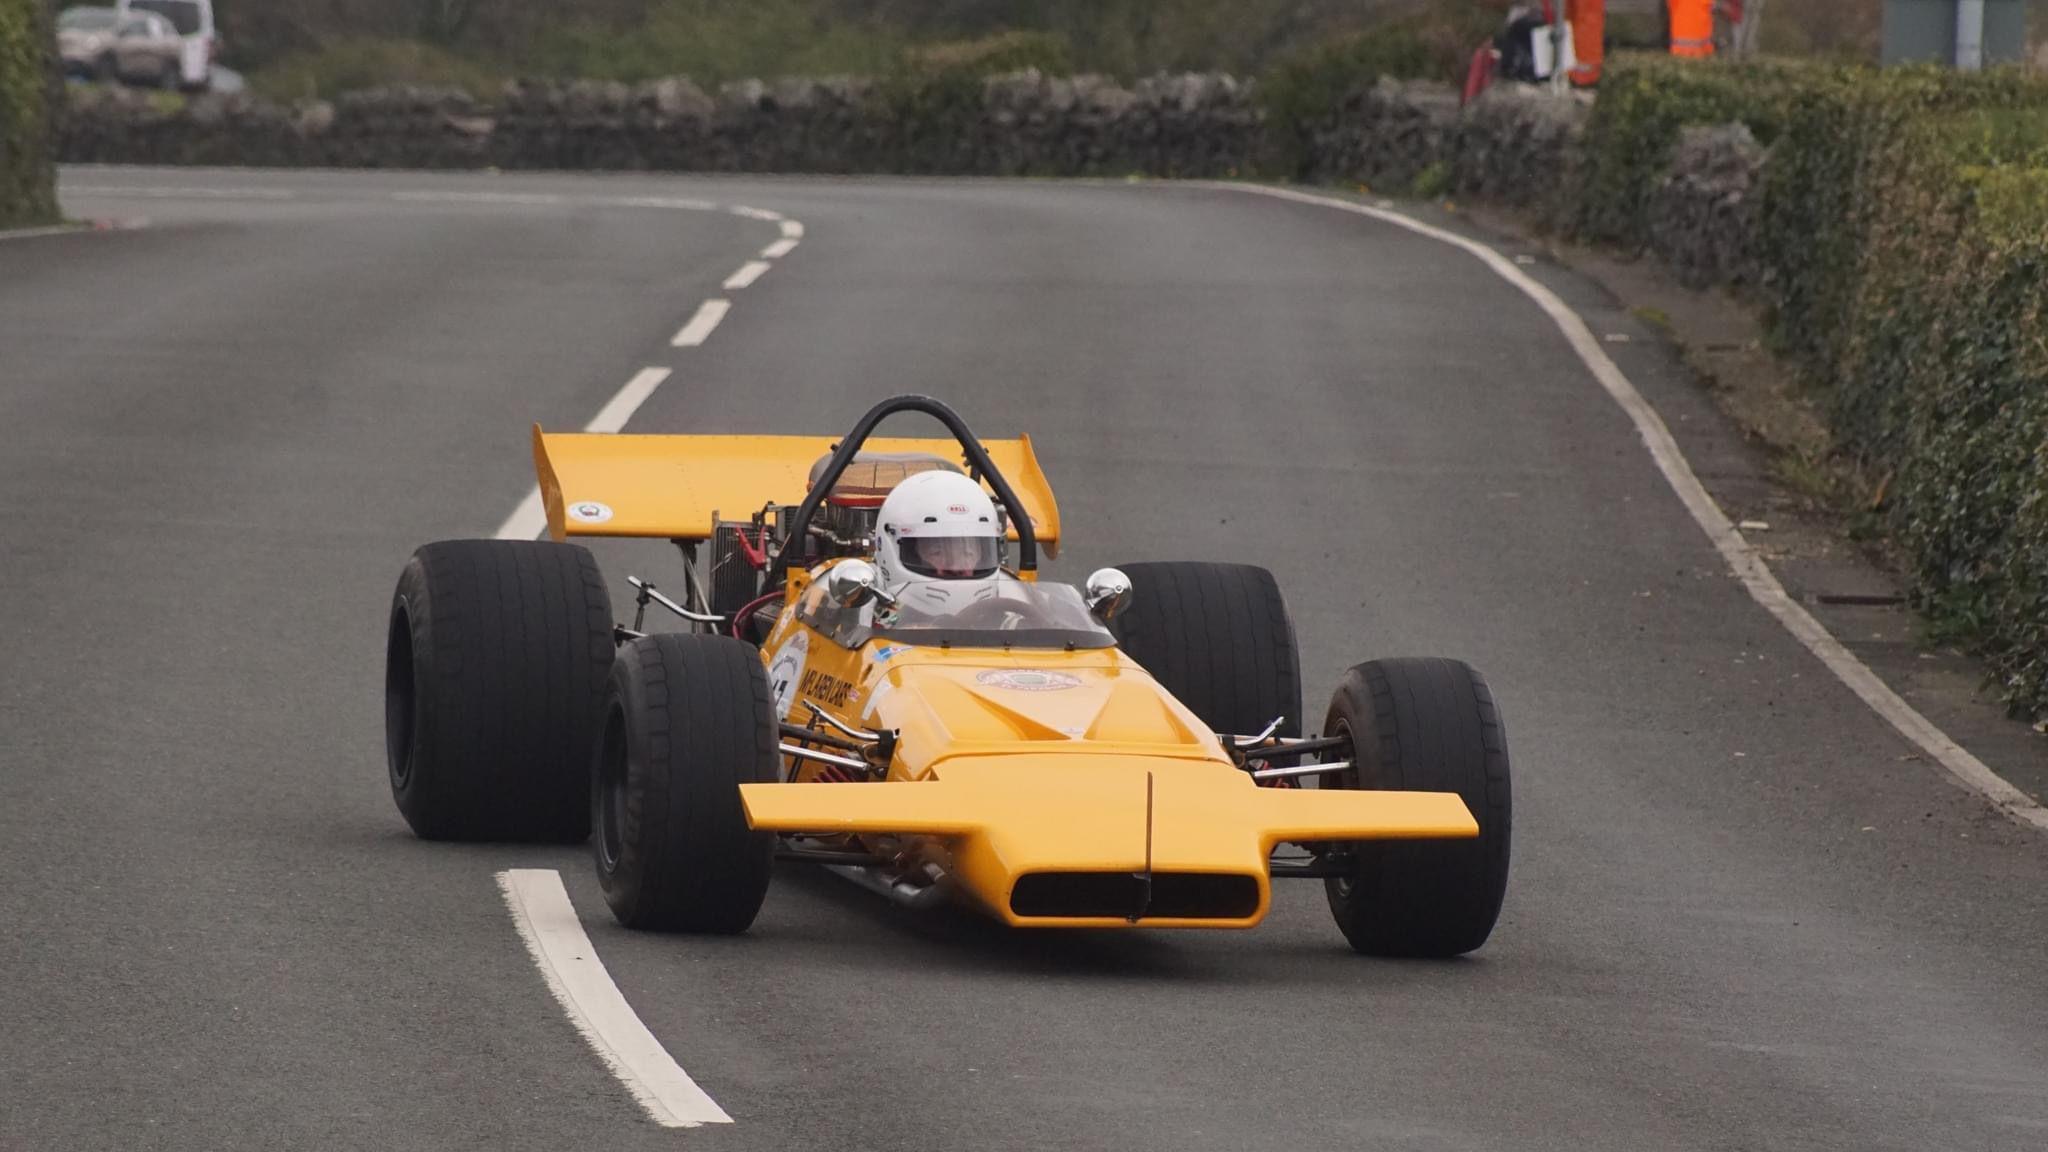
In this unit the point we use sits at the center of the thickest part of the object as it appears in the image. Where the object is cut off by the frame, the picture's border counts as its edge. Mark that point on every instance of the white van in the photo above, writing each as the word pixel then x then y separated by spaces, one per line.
pixel 194 21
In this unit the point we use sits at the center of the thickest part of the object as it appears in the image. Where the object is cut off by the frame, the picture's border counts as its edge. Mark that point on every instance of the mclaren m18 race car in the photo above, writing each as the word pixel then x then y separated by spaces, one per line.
pixel 1127 753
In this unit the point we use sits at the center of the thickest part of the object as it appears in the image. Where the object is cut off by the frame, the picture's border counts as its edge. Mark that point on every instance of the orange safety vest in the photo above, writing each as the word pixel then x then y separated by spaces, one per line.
pixel 1692 27
pixel 1589 27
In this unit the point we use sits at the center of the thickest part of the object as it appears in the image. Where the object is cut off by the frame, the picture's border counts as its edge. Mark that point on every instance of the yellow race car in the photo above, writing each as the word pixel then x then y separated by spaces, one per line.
pixel 1127 753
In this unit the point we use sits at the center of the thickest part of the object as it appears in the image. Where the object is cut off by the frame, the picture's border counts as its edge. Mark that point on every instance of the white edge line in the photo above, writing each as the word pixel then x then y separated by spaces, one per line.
pixel 452 197
pixel 48 230
pixel 620 407
pixel 756 213
pixel 163 192
pixel 702 324
pixel 1961 765
pixel 555 939
pixel 749 272
pixel 685 203
pixel 779 249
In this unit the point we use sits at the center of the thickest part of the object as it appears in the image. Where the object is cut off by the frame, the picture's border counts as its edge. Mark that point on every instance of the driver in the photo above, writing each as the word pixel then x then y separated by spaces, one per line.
pixel 938 541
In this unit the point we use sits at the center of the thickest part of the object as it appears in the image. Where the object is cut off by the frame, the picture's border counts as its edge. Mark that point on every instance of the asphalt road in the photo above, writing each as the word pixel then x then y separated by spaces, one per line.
pixel 1742 915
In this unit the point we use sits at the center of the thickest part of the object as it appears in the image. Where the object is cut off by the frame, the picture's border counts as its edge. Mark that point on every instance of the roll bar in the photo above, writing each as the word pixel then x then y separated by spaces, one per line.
pixel 978 462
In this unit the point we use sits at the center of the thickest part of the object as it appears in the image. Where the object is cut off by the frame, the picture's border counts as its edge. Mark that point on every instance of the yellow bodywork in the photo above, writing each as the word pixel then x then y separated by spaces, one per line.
pixel 1104 772
pixel 676 487
pixel 1008 763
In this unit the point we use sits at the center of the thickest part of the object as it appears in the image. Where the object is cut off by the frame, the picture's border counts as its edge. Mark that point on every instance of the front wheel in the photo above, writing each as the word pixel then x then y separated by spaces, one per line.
pixel 1422 725
pixel 1219 639
pixel 687 720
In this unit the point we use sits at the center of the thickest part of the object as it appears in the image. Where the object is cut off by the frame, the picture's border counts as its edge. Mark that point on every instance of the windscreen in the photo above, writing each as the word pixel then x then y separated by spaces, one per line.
pixel 1005 613
pixel 183 14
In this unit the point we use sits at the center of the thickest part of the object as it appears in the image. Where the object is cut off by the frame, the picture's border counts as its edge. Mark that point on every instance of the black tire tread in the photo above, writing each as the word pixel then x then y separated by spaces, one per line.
pixel 512 642
pixel 700 721
pixel 1430 725
pixel 1219 638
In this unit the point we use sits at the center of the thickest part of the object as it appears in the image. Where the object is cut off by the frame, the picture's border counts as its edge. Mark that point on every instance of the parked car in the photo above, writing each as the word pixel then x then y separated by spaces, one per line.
pixel 130 47
pixel 193 22
pixel 85 37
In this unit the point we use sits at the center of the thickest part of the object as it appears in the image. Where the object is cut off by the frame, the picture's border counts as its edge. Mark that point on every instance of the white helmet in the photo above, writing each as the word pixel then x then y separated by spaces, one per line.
pixel 936 526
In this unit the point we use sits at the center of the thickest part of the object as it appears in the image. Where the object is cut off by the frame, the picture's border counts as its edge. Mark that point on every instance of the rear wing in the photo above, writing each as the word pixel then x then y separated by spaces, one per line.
pixel 678 487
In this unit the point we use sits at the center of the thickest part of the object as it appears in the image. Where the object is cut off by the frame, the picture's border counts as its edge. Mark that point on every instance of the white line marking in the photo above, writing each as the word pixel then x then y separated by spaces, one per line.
pixel 49 230
pixel 555 938
pixel 688 205
pixel 779 249
pixel 756 213
pixel 166 193
pixel 620 408
pixel 749 272
pixel 702 324
pixel 436 197
pixel 1961 765
pixel 793 229
pixel 530 519
pixel 527 521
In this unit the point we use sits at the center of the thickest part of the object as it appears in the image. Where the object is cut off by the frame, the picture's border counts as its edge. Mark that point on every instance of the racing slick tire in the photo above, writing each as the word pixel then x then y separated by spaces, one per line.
pixel 495 665
pixel 687 719
pixel 1218 637
pixel 1426 725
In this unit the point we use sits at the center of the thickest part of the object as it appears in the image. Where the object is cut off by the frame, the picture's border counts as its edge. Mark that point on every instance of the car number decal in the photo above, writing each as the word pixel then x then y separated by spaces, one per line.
pixel 784 670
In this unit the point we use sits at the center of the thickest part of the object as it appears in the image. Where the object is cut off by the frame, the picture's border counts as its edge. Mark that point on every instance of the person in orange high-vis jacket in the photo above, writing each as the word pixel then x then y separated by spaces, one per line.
pixel 1692 27
pixel 1589 28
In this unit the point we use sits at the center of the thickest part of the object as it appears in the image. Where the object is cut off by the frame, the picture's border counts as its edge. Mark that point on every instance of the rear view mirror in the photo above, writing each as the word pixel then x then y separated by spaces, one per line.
pixel 1108 592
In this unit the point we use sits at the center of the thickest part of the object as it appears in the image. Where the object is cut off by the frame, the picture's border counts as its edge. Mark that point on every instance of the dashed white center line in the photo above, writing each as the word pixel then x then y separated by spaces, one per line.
pixel 613 415
pixel 779 249
pixel 701 325
pixel 749 272
pixel 793 229
pixel 527 521
pixel 562 951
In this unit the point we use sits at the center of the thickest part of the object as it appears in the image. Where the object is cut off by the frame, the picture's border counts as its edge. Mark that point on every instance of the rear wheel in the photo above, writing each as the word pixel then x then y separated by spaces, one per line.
pixel 1218 637
pixel 495 664
pixel 1425 725
pixel 687 720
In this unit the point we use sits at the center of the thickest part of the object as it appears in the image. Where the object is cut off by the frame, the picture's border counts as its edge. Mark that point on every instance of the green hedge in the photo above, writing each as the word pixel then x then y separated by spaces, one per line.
pixel 1644 102
pixel 1903 228
pixel 28 98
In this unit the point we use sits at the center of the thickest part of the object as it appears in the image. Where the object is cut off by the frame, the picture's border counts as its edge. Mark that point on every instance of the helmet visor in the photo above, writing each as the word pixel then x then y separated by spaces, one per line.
pixel 950 557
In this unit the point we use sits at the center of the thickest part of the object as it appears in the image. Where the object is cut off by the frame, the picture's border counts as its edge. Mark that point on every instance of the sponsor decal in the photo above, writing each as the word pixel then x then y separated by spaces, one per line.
pixel 1027 680
pixel 589 512
pixel 824 688
pixel 957 509
pixel 889 651
pixel 785 667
